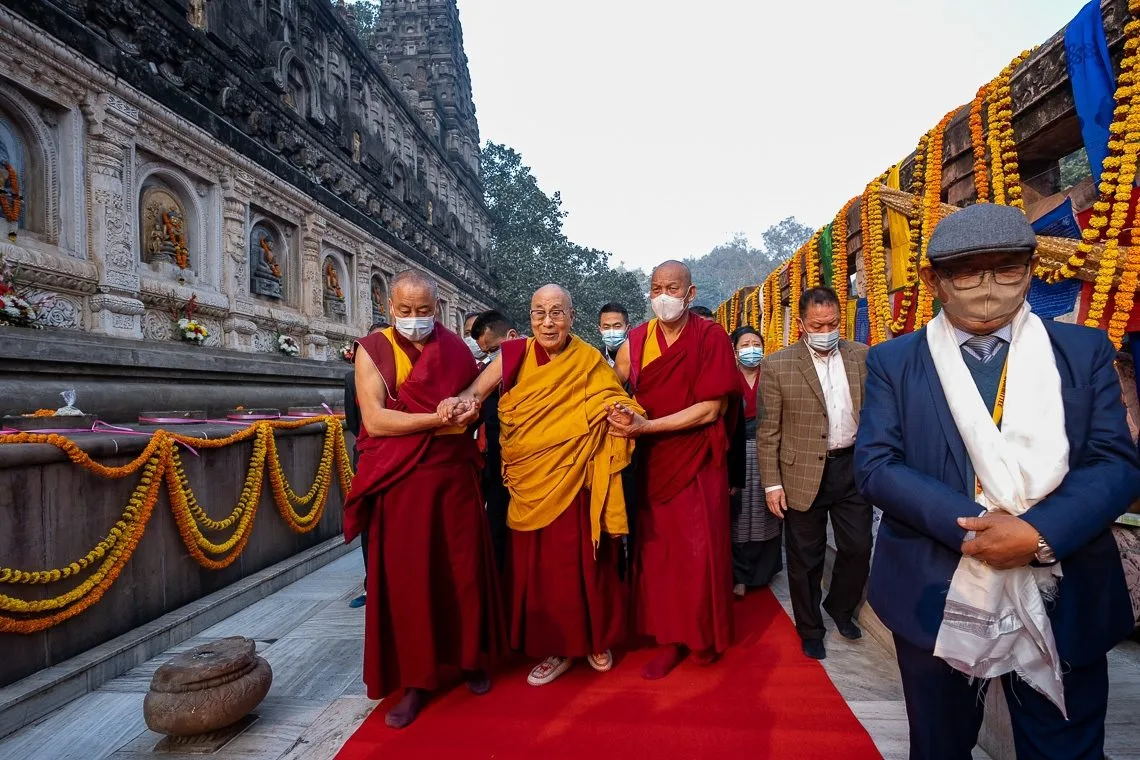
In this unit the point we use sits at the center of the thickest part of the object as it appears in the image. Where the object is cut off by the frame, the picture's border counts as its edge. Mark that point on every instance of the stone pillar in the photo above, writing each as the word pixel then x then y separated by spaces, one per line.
pixel 111 127
pixel 312 284
pixel 237 187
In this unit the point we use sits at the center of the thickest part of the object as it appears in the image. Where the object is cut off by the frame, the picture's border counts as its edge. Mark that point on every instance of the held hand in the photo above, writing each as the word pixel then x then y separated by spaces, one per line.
pixel 625 423
pixel 446 409
pixel 465 414
pixel 777 502
pixel 1002 541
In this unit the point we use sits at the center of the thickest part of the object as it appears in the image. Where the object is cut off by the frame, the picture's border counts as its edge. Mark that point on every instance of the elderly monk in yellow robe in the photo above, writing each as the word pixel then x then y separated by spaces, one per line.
pixel 567 508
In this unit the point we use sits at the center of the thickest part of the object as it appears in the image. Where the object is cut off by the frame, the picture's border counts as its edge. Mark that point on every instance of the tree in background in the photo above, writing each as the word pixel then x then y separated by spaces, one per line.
pixel 366 14
pixel 737 263
pixel 529 248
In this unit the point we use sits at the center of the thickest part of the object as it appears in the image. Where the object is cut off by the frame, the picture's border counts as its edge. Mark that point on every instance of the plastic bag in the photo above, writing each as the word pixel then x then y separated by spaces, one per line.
pixel 68 410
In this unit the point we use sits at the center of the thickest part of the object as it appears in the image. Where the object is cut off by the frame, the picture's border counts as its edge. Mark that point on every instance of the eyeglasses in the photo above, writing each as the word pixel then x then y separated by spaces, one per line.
pixel 968 279
pixel 556 315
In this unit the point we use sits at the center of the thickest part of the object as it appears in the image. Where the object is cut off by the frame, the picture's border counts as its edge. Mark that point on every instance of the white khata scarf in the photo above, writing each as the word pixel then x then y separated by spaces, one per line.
pixel 995 620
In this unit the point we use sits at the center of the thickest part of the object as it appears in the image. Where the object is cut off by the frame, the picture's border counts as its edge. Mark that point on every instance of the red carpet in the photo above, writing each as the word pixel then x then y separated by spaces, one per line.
pixel 763 700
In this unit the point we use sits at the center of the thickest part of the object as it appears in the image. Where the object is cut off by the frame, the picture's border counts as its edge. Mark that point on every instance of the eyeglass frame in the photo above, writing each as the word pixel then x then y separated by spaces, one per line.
pixel 946 276
pixel 562 315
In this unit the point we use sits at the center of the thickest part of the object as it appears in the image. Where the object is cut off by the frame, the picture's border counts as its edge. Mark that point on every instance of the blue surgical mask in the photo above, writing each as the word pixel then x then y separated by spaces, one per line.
pixel 613 338
pixel 750 356
pixel 415 329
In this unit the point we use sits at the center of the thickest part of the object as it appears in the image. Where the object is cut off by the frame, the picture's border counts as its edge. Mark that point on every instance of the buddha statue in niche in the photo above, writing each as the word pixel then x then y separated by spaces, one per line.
pixel 333 294
pixel 265 263
pixel 164 229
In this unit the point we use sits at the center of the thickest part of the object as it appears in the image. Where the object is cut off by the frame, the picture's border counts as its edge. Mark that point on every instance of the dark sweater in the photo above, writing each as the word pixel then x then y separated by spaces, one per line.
pixel 987 377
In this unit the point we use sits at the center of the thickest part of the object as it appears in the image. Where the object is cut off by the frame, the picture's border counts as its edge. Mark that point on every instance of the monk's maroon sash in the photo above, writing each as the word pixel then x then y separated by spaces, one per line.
pixel 699 366
pixel 442 370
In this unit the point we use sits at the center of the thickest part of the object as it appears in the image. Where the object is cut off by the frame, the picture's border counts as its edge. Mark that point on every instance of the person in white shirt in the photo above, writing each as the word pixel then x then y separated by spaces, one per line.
pixel 807 416
pixel 613 324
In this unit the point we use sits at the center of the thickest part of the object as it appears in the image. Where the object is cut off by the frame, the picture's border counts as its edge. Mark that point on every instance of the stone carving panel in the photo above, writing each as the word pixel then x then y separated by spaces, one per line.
pixel 157 326
pixel 333 293
pixel 63 313
pixel 165 238
pixel 266 253
pixel 264 342
pixel 378 299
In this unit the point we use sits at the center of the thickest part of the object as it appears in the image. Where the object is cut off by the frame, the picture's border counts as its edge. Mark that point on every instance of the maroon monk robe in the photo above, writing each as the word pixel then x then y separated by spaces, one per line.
pixel 682 568
pixel 564 601
pixel 433 598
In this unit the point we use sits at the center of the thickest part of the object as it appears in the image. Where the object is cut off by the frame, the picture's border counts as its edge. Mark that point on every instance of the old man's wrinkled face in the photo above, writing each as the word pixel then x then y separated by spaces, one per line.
pixel 551 318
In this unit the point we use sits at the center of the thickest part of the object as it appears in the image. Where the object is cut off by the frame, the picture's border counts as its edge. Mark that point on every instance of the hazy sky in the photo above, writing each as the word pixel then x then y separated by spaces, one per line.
pixel 668 126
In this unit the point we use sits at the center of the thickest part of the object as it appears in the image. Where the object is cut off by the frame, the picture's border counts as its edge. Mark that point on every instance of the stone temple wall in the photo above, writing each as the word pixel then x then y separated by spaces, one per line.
pixel 244 153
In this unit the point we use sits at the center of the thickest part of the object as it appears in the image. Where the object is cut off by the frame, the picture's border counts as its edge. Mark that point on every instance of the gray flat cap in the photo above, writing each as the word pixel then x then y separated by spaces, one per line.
pixel 981 228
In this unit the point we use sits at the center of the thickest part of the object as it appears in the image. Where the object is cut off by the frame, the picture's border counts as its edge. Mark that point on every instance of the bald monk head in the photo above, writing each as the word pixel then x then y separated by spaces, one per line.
pixel 671 290
pixel 414 304
pixel 551 318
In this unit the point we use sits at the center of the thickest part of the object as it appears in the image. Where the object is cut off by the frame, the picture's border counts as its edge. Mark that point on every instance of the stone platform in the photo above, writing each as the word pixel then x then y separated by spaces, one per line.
pixel 52 512
pixel 116 378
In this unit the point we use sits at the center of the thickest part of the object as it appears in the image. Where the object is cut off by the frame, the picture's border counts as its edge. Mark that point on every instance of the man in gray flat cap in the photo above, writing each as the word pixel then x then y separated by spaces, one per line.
pixel 991 411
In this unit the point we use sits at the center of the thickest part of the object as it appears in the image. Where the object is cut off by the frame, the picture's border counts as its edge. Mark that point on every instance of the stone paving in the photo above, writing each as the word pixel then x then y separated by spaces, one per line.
pixel 313 641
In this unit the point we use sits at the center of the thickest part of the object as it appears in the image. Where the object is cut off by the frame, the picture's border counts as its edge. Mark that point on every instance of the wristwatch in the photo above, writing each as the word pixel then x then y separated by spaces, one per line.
pixel 1044 555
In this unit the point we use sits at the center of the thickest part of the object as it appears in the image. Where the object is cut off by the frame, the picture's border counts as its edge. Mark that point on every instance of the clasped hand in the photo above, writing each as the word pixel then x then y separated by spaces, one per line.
pixel 458 412
pixel 624 422
pixel 1001 540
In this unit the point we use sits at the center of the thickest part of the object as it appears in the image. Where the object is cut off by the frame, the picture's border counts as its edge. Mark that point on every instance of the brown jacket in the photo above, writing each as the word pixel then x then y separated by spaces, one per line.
pixel 791 416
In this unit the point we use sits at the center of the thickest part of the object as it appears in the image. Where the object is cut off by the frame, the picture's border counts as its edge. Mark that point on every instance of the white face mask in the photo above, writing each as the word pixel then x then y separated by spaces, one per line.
pixel 477 352
pixel 415 329
pixel 668 308
pixel 823 342
pixel 613 338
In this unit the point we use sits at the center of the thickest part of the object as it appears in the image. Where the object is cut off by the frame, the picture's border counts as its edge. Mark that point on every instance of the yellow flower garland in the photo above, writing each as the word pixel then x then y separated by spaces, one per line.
pixel 874 260
pixel 795 288
pixel 839 262
pixel 931 213
pixel 160 464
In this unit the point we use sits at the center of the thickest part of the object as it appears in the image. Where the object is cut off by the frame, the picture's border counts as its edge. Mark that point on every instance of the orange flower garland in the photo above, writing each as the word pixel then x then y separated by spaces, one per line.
pixel 839 261
pixel 931 213
pixel 811 260
pixel 874 260
pixel 1005 175
pixel 978 142
pixel 795 287
pixel 11 201
pixel 1124 144
pixel 160 464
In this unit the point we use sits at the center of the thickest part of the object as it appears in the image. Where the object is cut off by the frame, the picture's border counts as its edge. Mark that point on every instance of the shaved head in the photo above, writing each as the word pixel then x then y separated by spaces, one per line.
pixel 412 278
pixel 413 294
pixel 546 292
pixel 674 270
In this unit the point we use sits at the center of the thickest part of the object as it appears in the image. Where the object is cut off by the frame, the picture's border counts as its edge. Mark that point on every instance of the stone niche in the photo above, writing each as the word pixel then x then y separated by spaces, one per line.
pixel 333 294
pixel 268 257
pixel 378 297
pixel 169 231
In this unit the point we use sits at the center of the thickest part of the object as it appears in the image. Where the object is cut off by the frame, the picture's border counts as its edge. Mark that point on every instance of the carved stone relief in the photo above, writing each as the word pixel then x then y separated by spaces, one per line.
pixel 266 254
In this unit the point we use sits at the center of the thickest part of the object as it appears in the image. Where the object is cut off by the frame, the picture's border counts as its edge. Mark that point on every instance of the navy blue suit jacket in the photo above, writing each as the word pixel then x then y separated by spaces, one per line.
pixel 911 463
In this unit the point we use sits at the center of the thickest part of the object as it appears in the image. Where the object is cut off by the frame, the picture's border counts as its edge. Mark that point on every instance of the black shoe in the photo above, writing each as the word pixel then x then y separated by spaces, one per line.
pixel 848 630
pixel 813 648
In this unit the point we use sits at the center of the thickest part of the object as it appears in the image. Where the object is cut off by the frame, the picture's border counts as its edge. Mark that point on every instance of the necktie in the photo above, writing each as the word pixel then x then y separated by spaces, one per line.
pixel 983 346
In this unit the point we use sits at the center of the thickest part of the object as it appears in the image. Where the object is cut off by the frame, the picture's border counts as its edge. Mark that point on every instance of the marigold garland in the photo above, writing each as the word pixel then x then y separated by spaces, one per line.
pixel 160 463
pixel 10 199
pixel 874 260
pixel 733 317
pixel 812 273
pixel 795 288
pixel 978 143
pixel 931 213
pixel 1118 178
pixel 1004 170
pixel 840 269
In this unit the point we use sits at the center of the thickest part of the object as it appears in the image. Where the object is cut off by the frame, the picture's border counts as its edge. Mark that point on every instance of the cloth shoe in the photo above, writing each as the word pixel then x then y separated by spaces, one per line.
pixel 357 602
pixel 478 682
pixel 603 662
pixel 668 657
pixel 548 670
